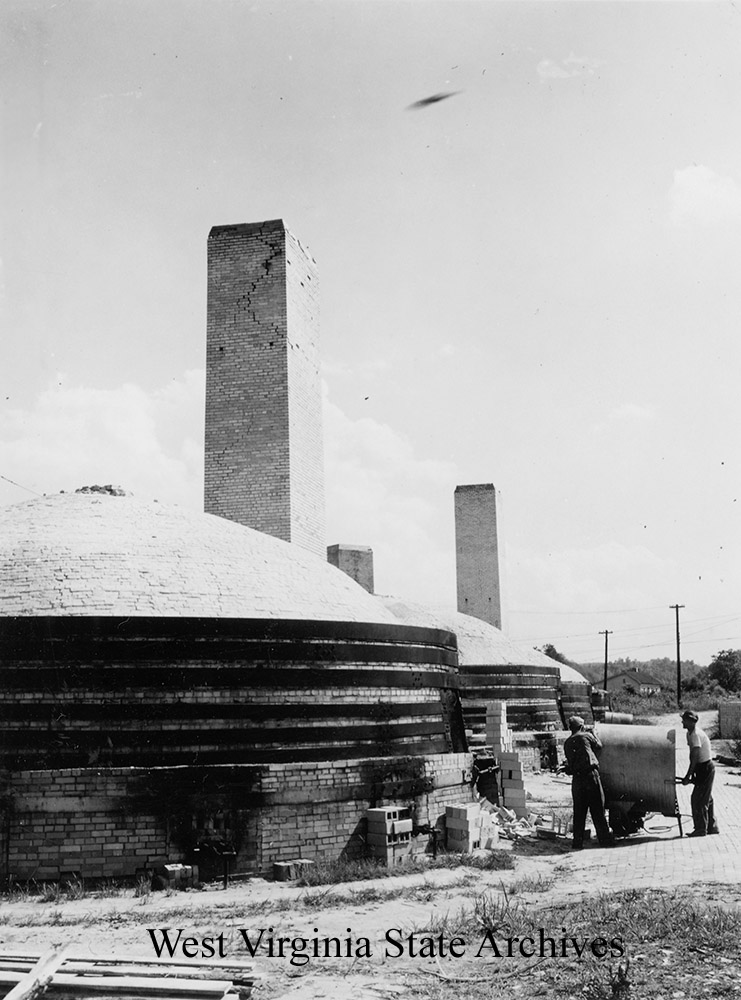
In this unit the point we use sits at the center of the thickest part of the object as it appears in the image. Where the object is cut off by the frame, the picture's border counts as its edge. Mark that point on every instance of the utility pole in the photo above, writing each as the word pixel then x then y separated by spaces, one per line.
pixel 679 662
pixel 605 633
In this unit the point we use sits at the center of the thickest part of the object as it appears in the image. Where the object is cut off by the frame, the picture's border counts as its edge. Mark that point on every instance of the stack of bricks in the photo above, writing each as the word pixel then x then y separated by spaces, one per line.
pixel 513 788
pixel 500 737
pixel 498 733
pixel 389 834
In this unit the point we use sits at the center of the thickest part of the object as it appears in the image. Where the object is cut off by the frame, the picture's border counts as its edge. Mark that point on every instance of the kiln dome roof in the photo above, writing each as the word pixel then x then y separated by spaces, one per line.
pixel 101 554
pixel 479 642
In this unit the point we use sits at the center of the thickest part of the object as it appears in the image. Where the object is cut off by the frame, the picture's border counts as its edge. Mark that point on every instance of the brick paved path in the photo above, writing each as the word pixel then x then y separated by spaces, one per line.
pixel 664 859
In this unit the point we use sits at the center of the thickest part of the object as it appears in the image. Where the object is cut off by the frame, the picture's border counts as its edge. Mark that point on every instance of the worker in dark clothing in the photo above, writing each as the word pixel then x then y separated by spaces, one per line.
pixel 581 749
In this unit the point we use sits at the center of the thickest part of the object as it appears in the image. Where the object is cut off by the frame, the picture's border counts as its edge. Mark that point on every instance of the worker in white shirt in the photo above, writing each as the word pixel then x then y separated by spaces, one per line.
pixel 701 773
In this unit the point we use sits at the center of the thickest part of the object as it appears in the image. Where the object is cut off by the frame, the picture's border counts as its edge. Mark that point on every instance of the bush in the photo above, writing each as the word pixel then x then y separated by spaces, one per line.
pixel 644 704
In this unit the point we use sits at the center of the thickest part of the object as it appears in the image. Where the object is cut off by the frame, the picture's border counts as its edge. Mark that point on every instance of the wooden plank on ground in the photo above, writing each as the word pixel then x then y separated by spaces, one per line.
pixel 215 963
pixel 240 976
pixel 128 985
pixel 32 983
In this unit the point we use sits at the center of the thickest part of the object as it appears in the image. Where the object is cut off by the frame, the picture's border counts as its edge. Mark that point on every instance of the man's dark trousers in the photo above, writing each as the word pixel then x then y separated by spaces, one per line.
pixel 703 812
pixel 587 793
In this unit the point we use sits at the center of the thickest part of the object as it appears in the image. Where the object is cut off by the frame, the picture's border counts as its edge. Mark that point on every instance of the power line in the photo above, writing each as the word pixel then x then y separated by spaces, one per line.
pixel 718 619
pixel 728 621
pixel 685 642
pixel 601 611
pixel 628 651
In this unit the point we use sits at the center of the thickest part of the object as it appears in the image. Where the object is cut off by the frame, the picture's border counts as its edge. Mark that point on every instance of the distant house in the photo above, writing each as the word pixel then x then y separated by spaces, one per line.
pixel 634 680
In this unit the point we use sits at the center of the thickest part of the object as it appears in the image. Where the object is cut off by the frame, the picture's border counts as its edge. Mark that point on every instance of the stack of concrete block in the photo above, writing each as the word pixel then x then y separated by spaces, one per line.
pixel 498 733
pixel 463 827
pixel 389 834
pixel 513 787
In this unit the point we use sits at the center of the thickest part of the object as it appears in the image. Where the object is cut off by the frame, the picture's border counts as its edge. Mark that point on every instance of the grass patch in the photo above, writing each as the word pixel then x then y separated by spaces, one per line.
pixel 636 915
pixel 672 943
pixel 650 915
pixel 365 869
pixel 531 883
pixel 53 892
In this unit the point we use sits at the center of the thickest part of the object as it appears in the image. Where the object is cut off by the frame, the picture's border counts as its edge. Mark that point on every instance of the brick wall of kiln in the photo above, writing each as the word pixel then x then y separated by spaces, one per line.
pixel 115 822
pixel 220 692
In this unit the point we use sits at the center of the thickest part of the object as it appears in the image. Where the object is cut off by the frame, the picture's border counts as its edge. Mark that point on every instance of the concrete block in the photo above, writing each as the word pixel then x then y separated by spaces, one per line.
pixel 465 810
pixel 288 871
pixel 458 823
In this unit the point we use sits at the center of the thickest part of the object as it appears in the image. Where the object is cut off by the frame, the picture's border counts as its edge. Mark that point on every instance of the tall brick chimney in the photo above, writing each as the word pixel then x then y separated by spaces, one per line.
pixel 264 453
pixel 477 552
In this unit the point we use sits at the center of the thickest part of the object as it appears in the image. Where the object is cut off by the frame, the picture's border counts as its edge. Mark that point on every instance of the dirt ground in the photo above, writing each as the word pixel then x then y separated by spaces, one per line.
pixel 120 925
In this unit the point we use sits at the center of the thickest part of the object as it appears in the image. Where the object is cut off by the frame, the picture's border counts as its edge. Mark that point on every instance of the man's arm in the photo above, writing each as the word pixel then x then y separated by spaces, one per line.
pixel 595 741
pixel 694 761
pixel 565 766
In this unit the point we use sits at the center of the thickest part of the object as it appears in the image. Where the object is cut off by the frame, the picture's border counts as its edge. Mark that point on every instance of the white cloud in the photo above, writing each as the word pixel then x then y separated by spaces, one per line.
pixel 701 196
pixel 582 65
pixel 547 69
pixel 569 596
pixel 379 493
pixel 625 414
pixel 148 442
pixel 632 412
pixel 341 369
pixel 610 575
pixel 571 66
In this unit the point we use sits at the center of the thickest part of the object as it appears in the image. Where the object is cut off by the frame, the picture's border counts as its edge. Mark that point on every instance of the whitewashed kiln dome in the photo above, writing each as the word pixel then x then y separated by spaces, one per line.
pixel 95 553
pixel 479 642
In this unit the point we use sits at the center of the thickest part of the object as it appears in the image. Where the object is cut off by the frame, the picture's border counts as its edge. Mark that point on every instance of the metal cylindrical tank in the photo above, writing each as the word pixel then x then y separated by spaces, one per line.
pixel 617 718
pixel 638 764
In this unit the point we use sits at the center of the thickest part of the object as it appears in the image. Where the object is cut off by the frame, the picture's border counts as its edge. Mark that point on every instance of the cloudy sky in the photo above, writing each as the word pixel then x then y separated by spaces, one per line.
pixel 533 283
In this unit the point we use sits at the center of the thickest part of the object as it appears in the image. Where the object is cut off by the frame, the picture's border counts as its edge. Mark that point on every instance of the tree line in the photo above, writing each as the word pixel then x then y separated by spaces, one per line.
pixel 721 678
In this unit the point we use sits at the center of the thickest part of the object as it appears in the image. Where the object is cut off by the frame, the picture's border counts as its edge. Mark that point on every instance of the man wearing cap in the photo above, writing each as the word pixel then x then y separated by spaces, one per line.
pixel 701 772
pixel 581 749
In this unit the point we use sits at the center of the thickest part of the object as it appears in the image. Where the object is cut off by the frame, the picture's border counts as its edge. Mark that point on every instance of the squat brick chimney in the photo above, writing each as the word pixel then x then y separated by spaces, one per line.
pixel 355 560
